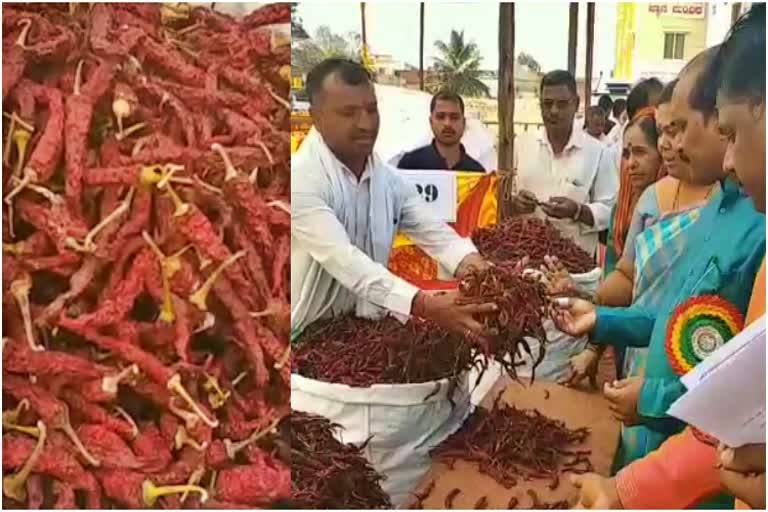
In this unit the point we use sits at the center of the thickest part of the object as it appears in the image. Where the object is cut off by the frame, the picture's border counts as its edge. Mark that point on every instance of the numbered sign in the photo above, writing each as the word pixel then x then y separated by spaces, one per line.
pixel 437 188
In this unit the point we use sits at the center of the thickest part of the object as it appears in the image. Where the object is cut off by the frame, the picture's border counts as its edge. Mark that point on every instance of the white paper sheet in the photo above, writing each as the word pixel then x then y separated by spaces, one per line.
pixel 726 391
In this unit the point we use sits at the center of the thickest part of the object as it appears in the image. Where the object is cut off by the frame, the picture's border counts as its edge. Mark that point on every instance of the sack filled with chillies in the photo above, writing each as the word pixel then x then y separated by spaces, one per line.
pixel 328 474
pixel 522 307
pixel 519 237
pixel 361 352
pixel 146 243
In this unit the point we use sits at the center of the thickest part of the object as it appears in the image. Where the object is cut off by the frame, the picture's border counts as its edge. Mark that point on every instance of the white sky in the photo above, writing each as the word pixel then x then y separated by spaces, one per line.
pixel 541 29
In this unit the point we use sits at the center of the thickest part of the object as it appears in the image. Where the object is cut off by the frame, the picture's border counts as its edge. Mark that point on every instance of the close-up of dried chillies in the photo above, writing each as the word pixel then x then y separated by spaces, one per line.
pixel 328 474
pixel 146 237
pixel 519 237
pixel 522 305
pixel 513 445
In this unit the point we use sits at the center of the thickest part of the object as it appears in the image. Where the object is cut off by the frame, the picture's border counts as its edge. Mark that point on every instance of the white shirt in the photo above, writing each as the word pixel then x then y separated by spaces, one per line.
pixel 615 135
pixel 342 230
pixel 585 171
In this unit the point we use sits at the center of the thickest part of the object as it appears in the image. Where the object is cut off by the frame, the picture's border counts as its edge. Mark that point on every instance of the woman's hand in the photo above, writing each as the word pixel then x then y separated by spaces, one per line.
pixel 559 280
pixel 623 396
pixel 742 473
pixel 583 364
pixel 596 492
pixel 575 317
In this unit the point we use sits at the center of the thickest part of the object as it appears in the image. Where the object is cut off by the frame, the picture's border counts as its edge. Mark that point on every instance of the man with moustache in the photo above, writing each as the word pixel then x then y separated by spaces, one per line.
pixel 564 174
pixel 446 152
pixel 347 205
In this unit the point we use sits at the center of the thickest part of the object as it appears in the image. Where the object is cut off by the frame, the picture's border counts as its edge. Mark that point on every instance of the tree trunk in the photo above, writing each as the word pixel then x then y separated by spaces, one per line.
pixel 506 96
pixel 421 46
pixel 573 33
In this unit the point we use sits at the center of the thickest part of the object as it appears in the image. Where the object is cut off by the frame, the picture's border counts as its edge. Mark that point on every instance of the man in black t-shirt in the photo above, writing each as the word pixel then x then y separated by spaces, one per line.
pixel 446 151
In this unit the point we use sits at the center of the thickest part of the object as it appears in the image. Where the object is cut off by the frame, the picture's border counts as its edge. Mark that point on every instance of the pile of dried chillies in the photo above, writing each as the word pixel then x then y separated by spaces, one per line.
pixel 328 474
pixel 146 236
pixel 510 444
pixel 360 352
pixel 522 305
pixel 518 237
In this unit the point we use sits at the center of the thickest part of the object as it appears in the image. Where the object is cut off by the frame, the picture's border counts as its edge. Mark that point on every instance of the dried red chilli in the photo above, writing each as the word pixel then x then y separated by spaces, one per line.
pixel 509 444
pixel 14 59
pixel 518 237
pixel 327 474
pixel 448 503
pixel 95 309
pixel 522 306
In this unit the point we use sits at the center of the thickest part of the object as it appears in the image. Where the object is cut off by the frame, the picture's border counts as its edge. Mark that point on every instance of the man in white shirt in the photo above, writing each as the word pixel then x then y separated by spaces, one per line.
pixel 594 123
pixel 564 174
pixel 619 120
pixel 346 207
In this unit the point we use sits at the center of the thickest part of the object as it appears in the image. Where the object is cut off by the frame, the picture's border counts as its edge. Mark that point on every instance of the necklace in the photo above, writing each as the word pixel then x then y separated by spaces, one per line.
pixel 675 203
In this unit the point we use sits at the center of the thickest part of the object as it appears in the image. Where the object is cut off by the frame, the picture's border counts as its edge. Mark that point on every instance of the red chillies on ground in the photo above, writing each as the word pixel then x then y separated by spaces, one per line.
pixel 143 299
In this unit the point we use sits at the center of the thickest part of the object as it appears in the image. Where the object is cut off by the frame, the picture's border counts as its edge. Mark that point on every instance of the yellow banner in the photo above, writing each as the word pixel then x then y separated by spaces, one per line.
pixel 625 41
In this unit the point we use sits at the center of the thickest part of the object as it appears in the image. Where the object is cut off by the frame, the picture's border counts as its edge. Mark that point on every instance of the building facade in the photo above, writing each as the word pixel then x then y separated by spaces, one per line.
pixel 658 38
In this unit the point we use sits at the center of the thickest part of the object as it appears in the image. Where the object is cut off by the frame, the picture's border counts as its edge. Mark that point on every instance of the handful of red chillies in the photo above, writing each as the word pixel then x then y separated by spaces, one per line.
pixel 518 237
pixel 328 474
pixel 522 305
pixel 511 445
pixel 146 248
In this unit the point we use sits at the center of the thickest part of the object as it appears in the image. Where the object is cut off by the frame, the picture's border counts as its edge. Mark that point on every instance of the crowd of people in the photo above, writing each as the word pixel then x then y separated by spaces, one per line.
pixel 674 180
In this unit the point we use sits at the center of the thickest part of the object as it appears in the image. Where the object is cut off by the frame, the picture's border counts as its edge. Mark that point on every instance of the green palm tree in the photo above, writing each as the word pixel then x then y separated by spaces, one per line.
pixel 458 66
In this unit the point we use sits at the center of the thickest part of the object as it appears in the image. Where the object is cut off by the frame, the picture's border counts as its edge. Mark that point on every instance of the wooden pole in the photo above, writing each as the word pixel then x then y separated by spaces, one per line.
pixel 573 32
pixel 506 96
pixel 421 46
pixel 589 55
pixel 735 12
pixel 362 17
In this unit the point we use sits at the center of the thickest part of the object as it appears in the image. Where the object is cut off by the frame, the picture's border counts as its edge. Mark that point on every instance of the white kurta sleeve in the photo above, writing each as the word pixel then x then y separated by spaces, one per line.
pixel 603 192
pixel 315 229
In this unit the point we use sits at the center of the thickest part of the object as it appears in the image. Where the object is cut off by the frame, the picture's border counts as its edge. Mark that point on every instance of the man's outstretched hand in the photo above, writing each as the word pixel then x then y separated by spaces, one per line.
pixel 444 310
pixel 470 262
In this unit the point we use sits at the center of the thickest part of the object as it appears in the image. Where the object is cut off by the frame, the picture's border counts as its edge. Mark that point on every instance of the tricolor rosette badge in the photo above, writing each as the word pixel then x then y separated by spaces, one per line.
pixel 698 327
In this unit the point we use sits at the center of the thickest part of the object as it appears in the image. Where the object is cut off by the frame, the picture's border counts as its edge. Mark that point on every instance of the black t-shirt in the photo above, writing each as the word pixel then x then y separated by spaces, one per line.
pixel 428 158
